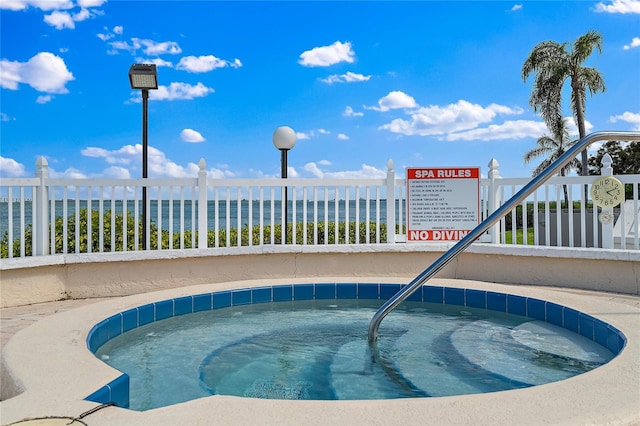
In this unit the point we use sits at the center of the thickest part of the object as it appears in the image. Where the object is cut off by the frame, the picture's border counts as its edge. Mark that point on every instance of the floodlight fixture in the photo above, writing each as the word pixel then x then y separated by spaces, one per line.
pixel 143 76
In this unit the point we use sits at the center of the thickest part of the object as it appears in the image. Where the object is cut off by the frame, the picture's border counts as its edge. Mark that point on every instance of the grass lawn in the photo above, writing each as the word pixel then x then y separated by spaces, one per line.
pixel 519 236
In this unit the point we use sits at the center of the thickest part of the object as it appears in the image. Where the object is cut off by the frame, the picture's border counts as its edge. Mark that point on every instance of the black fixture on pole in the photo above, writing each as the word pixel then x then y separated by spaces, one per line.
pixel 145 78
pixel 284 138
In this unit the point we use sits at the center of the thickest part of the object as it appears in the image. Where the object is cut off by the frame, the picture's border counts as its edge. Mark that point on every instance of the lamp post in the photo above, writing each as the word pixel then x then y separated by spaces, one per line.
pixel 284 138
pixel 145 78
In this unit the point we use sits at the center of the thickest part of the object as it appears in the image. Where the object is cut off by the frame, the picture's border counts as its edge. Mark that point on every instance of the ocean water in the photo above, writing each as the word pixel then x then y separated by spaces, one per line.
pixel 249 212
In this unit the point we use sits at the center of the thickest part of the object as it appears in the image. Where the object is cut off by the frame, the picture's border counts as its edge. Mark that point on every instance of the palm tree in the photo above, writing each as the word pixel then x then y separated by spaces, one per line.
pixel 554 64
pixel 552 147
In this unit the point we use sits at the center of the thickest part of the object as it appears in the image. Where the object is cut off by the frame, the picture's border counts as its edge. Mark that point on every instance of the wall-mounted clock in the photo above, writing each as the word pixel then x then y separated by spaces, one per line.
pixel 607 191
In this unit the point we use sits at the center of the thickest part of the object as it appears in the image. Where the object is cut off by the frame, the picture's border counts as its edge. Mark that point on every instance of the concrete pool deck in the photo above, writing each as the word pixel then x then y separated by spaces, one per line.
pixel 45 349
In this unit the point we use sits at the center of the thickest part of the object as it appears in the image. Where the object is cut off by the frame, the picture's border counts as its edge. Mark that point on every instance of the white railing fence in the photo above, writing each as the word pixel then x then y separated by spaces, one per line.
pixel 42 215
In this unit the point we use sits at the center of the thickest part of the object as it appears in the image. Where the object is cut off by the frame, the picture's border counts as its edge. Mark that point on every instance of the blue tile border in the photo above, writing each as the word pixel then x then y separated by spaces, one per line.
pixel 454 296
pixel 367 291
pixel 283 293
pixel 347 291
pixel 303 292
pixel 261 295
pixel 325 291
pixel 388 290
pixel 433 294
pixel 117 391
pixel 516 305
pixel 183 305
pixel 203 302
pixel 496 301
pixel 476 298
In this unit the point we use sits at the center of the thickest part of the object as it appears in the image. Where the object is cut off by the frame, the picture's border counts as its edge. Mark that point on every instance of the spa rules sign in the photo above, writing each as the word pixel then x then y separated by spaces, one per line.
pixel 443 203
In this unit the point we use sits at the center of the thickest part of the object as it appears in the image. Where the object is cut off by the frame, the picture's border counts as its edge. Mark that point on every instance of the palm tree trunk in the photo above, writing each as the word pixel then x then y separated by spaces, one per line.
pixel 581 132
pixel 577 95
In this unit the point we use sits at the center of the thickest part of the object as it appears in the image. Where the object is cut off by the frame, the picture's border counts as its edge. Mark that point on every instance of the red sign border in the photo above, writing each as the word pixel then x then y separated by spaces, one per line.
pixel 459 233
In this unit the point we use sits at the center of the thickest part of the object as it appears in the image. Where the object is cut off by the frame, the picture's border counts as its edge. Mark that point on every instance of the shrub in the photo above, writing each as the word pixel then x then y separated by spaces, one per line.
pixel 113 237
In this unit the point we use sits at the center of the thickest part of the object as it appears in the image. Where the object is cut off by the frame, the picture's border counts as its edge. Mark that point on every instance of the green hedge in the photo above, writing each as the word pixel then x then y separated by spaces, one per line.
pixel 164 236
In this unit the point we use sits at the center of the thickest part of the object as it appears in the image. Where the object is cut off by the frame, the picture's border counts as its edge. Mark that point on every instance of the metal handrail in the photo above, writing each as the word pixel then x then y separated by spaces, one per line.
pixel 454 251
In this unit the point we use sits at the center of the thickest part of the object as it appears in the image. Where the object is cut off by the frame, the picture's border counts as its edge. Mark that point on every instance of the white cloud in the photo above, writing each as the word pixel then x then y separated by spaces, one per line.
pixel 159 165
pixel 104 36
pixel 60 20
pixel 572 127
pixel 191 136
pixel 364 172
pixel 292 172
pixel 11 168
pixel 313 169
pixel 181 91
pixel 157 61
pixel 349 77
pixel 148 47
pixel 108 35
pixel 302 136
pixel 394 100
pixel 325 56
pixel 122 45
pixel 115 172
pixel 43 99
pixel 47 5
pixel 158 48
pixel 198 64
pixel 175 91
pixel 343 137
pixel 38 4
pixel 437 120
pixel 128 154
pixel 518 129
pixel 619 6
pixel 13 5
pixel 502 109
pixel 45 72
pixel 635 42
pixel 70 173
pixel 91 3
pixel 311 134
pixel 516 7
pixel 514 129
pixel 629 117
pixel 83 15
pixel 349 112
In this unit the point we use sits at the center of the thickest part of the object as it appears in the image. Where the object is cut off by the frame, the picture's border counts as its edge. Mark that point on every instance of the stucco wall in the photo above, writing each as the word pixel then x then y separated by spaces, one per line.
pixel 35 280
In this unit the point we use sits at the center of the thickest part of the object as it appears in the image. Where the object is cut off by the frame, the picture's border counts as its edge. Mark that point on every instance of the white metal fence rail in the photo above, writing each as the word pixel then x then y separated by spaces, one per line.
pixel 42 215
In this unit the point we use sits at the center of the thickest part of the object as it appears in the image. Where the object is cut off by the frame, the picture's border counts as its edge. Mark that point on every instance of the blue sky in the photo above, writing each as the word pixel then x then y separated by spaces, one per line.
pixel 422 83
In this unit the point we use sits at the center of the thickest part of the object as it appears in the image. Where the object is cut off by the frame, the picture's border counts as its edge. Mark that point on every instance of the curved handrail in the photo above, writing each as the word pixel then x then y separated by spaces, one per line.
pixel 451 254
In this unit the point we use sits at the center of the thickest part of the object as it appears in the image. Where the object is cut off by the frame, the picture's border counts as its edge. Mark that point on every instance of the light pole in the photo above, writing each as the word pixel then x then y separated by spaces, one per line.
pixel 144 77
pixel 284 138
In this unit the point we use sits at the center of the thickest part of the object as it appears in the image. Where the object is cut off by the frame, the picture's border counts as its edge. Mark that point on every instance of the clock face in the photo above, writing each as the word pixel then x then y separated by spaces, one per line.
pixel 607 191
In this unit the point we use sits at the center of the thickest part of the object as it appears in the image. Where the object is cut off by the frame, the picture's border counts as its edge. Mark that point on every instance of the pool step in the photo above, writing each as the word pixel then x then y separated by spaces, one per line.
pixel 532 353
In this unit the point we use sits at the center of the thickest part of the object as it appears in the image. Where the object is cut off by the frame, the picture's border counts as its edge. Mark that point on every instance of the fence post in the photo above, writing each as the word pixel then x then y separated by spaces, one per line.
pixel 40 227
pixel 493 203
pixel 202 204
pixel 391 203
pixel 607 225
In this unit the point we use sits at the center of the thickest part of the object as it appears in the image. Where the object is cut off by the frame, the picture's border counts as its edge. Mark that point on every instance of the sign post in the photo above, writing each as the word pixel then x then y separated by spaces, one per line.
pixel 443 203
